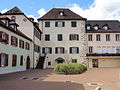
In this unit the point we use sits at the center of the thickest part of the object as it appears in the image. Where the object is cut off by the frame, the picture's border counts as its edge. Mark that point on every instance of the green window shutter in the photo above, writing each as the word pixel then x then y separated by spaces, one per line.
pixel 59 37
pixel 56 24
pixel 73 24
pixel 43 50
pixel 63 24
pixel 47 24
pixel 77 50
pixel 56 50
pixel 47 37
pixel 50 50
pixel 70 49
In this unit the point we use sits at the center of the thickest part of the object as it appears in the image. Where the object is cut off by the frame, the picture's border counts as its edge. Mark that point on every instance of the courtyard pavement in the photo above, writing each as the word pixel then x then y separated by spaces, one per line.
pixel 108 78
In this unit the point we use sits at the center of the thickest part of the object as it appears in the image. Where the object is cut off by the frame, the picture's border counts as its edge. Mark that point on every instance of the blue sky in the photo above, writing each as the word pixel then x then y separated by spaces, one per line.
pixel 32 6
pixel 90 9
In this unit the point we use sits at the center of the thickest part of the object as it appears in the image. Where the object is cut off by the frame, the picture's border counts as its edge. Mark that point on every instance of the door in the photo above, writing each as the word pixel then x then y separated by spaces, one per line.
pixel 95 63
pixel 28 63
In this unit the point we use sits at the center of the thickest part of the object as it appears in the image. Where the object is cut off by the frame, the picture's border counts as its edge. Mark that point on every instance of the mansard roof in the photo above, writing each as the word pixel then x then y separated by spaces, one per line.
pixel 61 14
pixel 14 11
pixel 113 26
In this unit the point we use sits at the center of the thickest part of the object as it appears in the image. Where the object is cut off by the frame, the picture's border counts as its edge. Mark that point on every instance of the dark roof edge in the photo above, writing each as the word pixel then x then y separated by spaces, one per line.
pixel 61 19
pixel 12 30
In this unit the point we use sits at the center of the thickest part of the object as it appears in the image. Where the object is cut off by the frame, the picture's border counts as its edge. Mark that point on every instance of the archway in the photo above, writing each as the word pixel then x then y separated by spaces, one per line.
pixel 28 63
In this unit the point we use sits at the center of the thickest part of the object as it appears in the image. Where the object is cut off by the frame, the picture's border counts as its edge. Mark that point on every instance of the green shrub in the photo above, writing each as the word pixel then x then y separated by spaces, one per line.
pixel 70 68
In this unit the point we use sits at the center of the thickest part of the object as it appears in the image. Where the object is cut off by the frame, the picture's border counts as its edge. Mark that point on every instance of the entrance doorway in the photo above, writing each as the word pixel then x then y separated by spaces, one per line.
pixel 28 63
pixel 95 63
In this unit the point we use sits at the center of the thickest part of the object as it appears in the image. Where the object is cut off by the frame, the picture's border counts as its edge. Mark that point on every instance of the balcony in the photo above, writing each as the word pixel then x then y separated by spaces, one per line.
pixel 103 54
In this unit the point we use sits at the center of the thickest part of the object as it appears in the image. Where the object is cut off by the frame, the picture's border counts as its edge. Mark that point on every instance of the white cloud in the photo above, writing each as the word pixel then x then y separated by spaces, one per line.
pixel 42 12
pixel 4 10
pixel 32 16
pixel 107 9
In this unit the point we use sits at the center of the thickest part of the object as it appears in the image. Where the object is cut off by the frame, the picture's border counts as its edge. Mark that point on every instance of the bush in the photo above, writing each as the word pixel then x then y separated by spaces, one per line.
pixel 70 68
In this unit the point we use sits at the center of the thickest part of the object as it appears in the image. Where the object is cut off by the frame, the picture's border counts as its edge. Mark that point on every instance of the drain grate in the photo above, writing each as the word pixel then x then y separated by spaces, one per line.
pixel 35 78
pixel 24 78
pixel 94 84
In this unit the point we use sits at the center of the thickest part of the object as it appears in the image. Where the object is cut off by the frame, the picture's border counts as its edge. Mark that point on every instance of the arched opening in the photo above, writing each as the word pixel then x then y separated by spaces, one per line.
pixel 28 63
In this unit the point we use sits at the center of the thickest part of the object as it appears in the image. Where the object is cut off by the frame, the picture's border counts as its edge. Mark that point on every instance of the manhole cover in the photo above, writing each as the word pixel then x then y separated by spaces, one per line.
pixel 35 78
pixel 24 78
pixel 94 84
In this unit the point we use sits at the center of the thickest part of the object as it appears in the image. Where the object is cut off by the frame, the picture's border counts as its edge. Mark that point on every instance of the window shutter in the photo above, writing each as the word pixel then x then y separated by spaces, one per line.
pixel 70 37
pixel 16 42
pixel 63 24
pixel 43 50
pixel 0 60
pixel 77 50
pixel 77 37
pixel 50 50
pixel 56 50
pixel 7 38
pixel 56 24
pixel 70 50
pixel 6 60
pixel 63 50
pixel 0 36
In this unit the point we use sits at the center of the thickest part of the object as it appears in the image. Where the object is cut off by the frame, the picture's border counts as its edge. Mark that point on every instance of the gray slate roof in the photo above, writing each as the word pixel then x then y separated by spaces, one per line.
pixel 113 26
pixel 54 14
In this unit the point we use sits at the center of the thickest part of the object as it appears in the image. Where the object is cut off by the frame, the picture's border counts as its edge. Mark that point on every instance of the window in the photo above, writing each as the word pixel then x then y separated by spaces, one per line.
pixel 47 37
pixel 14 60
pixel 74 60
pixel 118 49
pixel 108 50
pixel 113 49
pixel 14 41
pixel 36 48
pixel 59 24
pixel 47 50
pixel 49 63
pixel 13 18
pixel 98 37
pixel 74 37
pixel 90 37
pixel 21 60
pixel 37 33
pixel 98 49
pixel 74 50
pixel 107 37
pixel 47 24
pixel 4 37
pixel 96 27
pixel 27 46
pixel 61 13
pixel 117 37
pixel 105 27
pixel 21 44
pixel 59 50
pixel 90 49
pixel 88 27
pixel 3 59
pixel 73 24
pixel 59 37
pixel 104 50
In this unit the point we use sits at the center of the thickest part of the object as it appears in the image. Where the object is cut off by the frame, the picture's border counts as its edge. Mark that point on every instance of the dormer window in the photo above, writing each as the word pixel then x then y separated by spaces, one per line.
pixel 61 13
pixel 13 18
pixel 96 27
pixel 88 27
pixel 105 27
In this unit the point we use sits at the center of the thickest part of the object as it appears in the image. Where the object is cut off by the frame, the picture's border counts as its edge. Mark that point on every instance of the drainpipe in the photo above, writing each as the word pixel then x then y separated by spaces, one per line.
pixel 33 48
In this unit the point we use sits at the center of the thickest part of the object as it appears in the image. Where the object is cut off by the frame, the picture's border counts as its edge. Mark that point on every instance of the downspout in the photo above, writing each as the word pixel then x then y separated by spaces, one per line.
pixel 33 47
